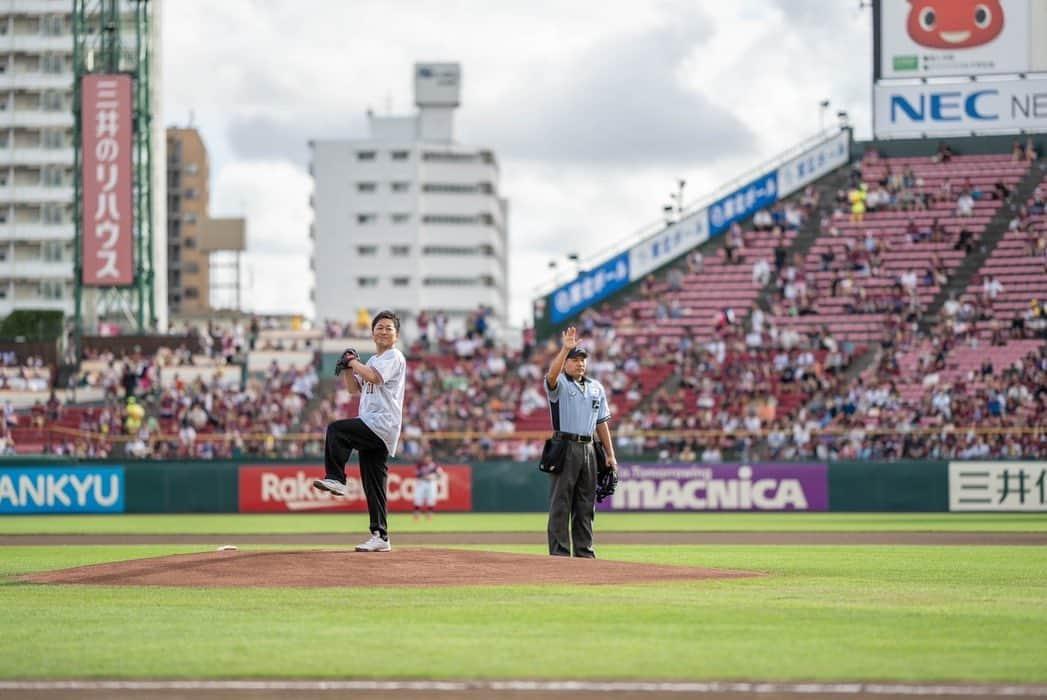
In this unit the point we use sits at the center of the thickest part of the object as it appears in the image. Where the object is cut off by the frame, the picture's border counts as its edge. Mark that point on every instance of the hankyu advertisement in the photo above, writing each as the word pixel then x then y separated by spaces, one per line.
pixel 289 489
pixel 998 486
pixel 720 487
pixel 590 287
pixel 960 107
pixel 62 490
pixel 942 38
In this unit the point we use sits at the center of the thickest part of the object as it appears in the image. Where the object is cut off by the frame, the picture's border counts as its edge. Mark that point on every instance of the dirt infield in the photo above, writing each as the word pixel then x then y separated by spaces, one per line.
pixel 347 568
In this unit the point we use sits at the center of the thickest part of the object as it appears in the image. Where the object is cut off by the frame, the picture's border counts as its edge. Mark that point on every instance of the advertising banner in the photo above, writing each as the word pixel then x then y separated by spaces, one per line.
pixel 813 163
pixel 590 287
pixel 999 486
pixel 942 38
pixel 668 244
pixel 289 489
pixel 108 214
pixel 720 487
pixel 743 202
pixel 960 107
pixel 62 490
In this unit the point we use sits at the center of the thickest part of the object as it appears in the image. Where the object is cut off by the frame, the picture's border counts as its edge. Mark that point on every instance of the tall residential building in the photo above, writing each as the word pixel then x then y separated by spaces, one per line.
pixel 408 219
pixel 192 236
pixel 36 155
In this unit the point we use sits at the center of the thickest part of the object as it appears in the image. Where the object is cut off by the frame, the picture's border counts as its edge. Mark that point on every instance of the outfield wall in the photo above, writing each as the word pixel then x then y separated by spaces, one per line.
pixel 42 485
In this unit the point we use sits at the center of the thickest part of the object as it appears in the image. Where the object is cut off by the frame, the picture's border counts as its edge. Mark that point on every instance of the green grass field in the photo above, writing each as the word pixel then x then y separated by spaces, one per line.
pixel 909 613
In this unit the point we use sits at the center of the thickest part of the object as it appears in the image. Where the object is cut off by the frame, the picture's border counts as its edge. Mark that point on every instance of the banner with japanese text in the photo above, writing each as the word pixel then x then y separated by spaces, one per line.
pixel 998 486
pixel 108 216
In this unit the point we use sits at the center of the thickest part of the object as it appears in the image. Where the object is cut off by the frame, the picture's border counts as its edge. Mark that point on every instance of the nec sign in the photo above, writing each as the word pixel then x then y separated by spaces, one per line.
pixel 998 105
pixel 950 106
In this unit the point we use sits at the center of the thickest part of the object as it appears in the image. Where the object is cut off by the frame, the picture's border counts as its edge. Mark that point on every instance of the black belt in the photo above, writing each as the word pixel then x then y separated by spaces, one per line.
pixel 572 437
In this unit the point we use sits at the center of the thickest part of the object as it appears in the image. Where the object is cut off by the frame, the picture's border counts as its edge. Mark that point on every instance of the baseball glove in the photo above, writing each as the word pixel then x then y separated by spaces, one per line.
pixel 606 483
pixel 348 356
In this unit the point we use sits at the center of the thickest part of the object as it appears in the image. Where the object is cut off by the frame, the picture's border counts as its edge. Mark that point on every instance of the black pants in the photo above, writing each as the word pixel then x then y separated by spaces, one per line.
pixel 572 503
pixel 343 436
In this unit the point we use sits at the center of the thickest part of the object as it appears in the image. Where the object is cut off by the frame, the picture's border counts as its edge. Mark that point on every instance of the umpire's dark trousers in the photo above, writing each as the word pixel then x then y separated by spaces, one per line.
pixel 572 503
pixel 343 436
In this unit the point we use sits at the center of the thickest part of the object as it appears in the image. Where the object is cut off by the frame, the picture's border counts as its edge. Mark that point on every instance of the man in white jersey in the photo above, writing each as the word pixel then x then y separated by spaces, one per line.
pixel 374 434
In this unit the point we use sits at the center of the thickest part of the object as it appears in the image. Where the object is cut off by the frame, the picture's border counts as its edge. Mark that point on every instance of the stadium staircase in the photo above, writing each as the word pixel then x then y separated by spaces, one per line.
pixel 973 264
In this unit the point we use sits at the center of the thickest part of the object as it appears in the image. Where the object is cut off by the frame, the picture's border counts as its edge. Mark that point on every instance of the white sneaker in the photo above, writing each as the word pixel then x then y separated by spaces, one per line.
pixel 330 485
pixel 375 544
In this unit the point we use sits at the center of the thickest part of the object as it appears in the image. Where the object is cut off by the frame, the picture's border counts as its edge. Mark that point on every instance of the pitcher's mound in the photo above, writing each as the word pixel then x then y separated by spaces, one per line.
pixel 401 567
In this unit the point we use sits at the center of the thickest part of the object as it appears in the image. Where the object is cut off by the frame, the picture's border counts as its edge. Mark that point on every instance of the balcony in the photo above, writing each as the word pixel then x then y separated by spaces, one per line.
pixel 37 43
pixel 35 80
pixel 37 156
pixel 36 269
pixel 37 118
pixel 35 302
pixel 39 7
pixel 37 232
pixel 11 194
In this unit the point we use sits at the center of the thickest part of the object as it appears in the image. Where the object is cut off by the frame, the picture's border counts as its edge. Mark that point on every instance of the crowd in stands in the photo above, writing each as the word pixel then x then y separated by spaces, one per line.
pixel 742 350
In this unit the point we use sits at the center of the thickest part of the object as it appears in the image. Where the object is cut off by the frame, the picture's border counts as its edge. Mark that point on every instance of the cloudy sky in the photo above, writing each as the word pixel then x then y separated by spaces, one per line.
pixel 594 108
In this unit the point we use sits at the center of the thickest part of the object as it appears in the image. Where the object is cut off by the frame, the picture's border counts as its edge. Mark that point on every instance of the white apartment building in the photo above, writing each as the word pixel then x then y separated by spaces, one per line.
pixel 36 156
pixel 408 219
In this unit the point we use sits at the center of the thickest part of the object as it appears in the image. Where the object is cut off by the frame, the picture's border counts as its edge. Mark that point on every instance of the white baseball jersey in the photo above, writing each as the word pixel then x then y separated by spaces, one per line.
pixel 382 405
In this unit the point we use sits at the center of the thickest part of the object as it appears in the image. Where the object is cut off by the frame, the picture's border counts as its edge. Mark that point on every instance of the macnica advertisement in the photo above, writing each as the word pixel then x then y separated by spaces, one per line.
pixel 720 487
pixel 289 489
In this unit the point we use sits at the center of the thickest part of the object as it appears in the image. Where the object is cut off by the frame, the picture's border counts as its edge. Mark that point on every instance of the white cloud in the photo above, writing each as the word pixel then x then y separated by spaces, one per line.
pixel 595 108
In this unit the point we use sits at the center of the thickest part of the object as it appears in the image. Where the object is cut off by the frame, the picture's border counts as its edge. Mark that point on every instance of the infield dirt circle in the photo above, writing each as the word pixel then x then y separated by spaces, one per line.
pixel 347 568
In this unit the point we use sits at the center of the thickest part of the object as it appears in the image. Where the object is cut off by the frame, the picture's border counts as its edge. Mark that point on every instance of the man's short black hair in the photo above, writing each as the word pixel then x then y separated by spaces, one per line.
pixel 386 314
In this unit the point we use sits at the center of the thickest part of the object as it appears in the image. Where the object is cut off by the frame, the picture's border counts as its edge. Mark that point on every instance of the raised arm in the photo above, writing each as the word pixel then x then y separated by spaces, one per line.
pixel 570 341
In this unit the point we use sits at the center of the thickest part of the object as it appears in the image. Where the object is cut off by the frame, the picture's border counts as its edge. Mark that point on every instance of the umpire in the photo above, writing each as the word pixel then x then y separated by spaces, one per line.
pixel 579 411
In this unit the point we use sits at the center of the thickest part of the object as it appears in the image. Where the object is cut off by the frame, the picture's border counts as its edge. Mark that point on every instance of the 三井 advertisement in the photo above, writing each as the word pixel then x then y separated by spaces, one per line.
pixel 720 487
pixel 1006 486
pixel 108 216
pixel 289 489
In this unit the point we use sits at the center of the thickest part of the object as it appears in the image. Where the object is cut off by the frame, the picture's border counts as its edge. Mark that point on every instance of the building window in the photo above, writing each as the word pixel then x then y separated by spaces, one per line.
pixel 191 268
pixel 51 176
pixel 366 218
pixel 52 251
pixel 50 63
pixel 191 193
pixel 191 293
pixel 450 281
pixel 401 187
pixel 189 243
pixel 401 155
pixel 365 155
pixel 366 186
pixel 449 188
pixel 367 250
pixel 448 157
pixel 367 281
pixel 191 168
pixel 53 138
pixel 450 219
pixel 400 251
pixel 448 250
pixel 51 289
pixel 189 218
pixel 52 214
pixel 51 101
pixel 401 281
pixel 401 218
pixel 52 25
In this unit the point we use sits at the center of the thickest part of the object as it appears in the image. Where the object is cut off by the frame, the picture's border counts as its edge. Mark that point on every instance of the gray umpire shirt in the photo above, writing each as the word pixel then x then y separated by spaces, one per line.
pixel 577 407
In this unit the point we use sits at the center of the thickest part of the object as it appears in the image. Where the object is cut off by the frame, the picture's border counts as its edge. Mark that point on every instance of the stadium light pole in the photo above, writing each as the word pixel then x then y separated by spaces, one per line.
pixel 822 106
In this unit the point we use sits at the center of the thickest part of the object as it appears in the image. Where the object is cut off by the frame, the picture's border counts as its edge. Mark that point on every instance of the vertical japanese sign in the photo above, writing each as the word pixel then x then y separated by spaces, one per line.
pixel 108 216
pixel 1010 486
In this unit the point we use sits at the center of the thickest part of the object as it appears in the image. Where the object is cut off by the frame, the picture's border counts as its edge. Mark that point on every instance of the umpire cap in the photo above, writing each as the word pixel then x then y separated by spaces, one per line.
pixel 577 351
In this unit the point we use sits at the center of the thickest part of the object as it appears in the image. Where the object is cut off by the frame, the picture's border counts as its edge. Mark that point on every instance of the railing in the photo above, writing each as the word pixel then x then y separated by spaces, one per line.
pixel 695 206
